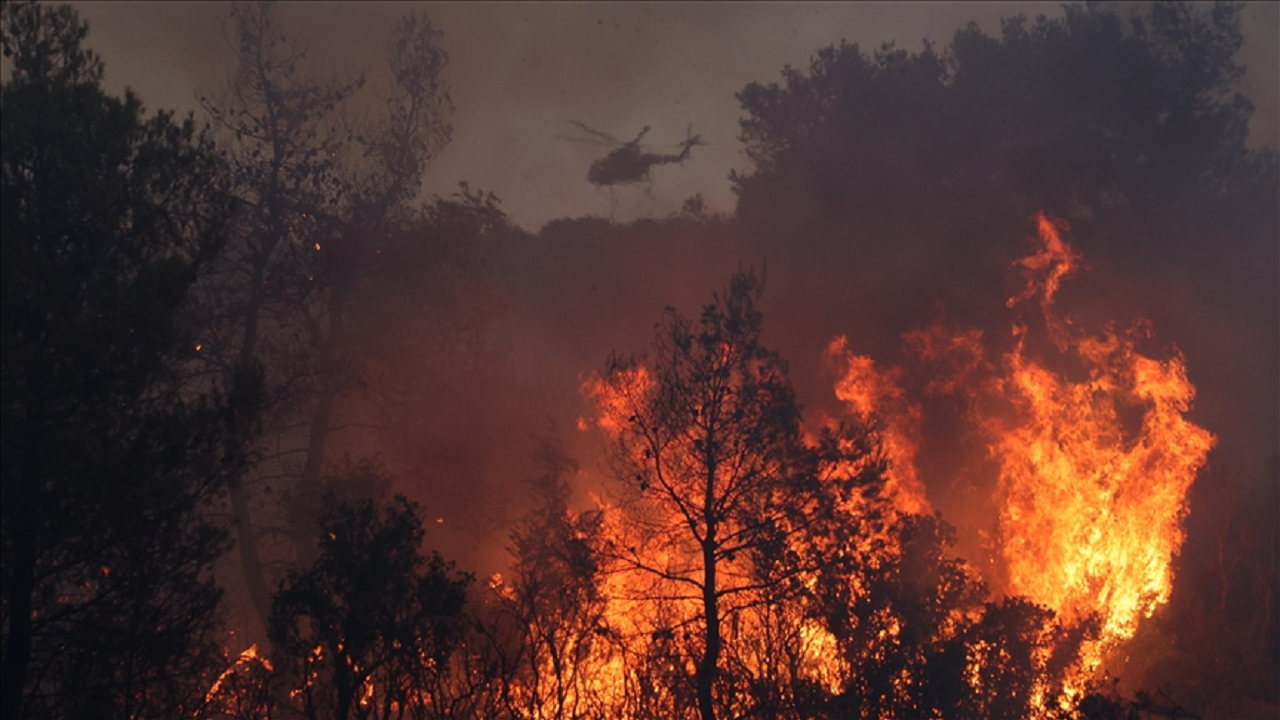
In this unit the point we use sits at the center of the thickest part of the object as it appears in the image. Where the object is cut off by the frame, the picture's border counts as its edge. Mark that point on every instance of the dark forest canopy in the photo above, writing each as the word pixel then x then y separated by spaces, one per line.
pixel 110 463
pixel 231 357
pixel 1088 111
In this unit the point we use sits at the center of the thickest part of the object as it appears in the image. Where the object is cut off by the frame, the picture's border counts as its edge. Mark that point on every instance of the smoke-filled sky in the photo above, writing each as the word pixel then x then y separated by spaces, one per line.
pixel 518 72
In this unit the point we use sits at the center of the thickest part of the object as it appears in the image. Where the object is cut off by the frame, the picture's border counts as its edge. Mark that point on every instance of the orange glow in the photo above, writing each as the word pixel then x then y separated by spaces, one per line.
pixel 222 695
pixel 1091 458
pixel 873 396
pixel 1091 512
pixel 1093 472
pixel 1046 268
pixel 614 399
pixel 950 356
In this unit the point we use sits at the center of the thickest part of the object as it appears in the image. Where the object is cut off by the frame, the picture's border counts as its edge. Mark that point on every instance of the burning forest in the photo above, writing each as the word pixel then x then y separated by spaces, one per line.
pixel 961 398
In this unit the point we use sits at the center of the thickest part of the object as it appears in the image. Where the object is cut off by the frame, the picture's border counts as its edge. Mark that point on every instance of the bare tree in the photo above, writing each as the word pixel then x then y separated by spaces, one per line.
pixel 718 476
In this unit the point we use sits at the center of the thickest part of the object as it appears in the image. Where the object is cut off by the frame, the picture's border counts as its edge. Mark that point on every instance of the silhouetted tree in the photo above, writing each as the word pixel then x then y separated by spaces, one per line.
pixel 1102 701
pixel 708 444
pixel 1088 111
pixel 1228 581
pixel 328 216
pixel 374 615
pixel 553 601
pixel 109 460
pixel 918 638
pixel 377 185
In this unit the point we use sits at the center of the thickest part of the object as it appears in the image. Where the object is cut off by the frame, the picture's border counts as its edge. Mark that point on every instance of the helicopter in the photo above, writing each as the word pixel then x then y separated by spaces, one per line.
pixel 627 163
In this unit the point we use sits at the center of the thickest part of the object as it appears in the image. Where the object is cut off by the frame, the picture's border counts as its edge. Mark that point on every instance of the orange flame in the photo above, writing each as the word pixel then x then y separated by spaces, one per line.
pixel 1046 268
pixel 1093 474
pixel 874 396
pixel 614 399
pixel 216 696
pixel 1091 514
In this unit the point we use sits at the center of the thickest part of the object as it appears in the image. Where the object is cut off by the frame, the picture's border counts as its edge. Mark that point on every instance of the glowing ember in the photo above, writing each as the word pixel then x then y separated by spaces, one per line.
pixel 1092 472
pixel 230 694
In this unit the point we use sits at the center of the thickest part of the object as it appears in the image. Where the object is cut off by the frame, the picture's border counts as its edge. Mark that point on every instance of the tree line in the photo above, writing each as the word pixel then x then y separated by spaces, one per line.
pixel 192 317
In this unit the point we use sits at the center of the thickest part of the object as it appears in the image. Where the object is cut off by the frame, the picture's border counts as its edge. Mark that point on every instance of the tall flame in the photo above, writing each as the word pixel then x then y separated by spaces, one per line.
pixel 1093 473
pixel 1091 514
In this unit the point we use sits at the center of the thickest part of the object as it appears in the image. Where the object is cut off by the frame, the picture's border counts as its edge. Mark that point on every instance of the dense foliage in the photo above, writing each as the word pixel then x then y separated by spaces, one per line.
pixel 110 461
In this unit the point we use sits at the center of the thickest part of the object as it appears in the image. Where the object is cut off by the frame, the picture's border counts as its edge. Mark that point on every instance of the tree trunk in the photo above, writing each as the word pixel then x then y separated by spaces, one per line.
pixel 246 539
pixel 710 598
pixel 708 667
pixel 346 683
pixel 17 656
pixel 306 504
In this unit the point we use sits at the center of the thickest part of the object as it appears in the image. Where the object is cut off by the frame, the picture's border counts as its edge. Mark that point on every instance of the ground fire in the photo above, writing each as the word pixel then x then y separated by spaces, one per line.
pixel 713 566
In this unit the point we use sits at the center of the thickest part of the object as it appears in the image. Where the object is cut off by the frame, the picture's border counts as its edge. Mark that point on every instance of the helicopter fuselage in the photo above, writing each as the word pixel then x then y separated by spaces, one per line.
pixel 628 164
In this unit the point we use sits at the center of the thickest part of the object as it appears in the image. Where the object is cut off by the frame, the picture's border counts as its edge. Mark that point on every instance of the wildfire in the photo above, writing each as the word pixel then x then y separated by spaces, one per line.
pixel 1092 469
pixel 874 396
pixel 1091 514
pixel 1092 473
